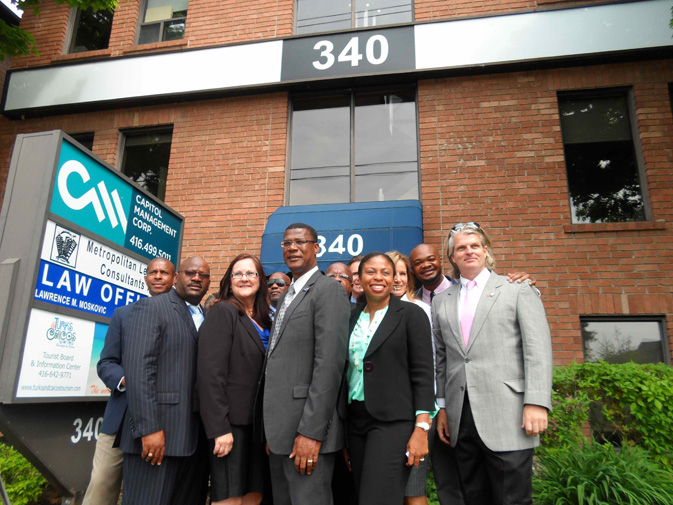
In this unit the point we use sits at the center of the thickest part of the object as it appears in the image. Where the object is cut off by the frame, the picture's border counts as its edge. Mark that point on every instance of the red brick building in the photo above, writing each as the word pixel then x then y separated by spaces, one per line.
pixel 547 122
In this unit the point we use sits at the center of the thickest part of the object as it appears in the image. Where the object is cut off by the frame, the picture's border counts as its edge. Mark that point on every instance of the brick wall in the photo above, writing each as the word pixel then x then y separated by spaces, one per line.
pixel 426 10
pixel 226 171
pixel 209 22
pixel 491 152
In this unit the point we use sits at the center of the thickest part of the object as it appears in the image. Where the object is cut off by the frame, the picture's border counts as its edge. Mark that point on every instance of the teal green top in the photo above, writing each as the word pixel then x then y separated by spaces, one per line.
pixel 357 348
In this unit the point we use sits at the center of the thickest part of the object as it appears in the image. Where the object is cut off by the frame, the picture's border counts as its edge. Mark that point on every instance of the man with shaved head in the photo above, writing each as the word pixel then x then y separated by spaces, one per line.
pixel 342 274
pixel 160 438
pixel 278 284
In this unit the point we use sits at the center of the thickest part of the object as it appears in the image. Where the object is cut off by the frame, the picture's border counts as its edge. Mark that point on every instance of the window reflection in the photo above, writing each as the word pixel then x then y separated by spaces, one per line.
pixel 315 16
pixel 623 341
pixel 603 179
pixel 145 159
pixel 382 163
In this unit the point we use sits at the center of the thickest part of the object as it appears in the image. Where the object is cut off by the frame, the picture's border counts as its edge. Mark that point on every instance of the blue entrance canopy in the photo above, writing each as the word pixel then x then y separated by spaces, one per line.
pixel 346 229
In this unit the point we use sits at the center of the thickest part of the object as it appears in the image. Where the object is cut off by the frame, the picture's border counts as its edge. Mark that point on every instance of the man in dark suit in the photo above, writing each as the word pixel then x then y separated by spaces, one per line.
pixel 303 371
pixel 162 432
pixel 106 475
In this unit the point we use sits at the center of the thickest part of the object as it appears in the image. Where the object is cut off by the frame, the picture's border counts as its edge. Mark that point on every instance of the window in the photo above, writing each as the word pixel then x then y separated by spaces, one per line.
pixel 86 139
pixel 315 16
pixel 354 147
pixel 620 340
pixel 145 158
pixel 91 30
pixel 604 179
pixel 162 20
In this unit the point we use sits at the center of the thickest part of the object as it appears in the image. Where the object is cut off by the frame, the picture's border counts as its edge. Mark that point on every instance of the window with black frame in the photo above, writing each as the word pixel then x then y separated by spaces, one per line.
pixel 354 147
pixel 622 339
pixel 604 179
pixel 91 30
pixel 315 16
pixel 86 139
pixel 162 20
pixel 145 158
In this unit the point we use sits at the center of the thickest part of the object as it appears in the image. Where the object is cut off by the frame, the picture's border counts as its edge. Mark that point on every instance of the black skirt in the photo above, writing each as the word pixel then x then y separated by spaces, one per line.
pixel 241 471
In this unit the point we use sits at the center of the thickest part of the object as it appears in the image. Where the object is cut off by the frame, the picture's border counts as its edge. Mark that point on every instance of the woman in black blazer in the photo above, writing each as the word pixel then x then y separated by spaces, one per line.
pixel 390 386
pixel 232 345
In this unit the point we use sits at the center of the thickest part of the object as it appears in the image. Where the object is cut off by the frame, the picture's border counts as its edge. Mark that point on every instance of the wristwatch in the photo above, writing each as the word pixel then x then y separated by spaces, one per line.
pixel 423 426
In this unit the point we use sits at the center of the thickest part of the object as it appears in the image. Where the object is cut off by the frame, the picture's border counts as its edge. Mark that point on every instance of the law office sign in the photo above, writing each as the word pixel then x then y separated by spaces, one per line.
pixel 75 239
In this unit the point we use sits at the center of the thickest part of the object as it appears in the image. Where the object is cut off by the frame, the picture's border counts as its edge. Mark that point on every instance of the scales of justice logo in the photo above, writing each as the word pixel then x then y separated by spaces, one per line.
pixel 64 247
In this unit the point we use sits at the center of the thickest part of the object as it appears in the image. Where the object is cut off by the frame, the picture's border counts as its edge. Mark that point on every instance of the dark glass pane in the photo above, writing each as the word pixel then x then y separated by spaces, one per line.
pixel 149 33
pixel 315 16
pixel 381 12
pixel 385 187
pixel 385 128
pixel 174 30
pixel 323 190
pixel 603 182
pixel 92 30
pixel 599 119
pixel 623 341
pixel 145 160
pixel 86 139
pixel 320 136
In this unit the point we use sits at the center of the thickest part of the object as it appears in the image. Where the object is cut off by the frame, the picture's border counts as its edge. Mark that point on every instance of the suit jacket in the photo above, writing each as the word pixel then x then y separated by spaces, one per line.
pixel 398 364
pixel 304 370
pixel 231 356
pixel 507 363
pixel 159 356
pixel 111 372
pixel 419 292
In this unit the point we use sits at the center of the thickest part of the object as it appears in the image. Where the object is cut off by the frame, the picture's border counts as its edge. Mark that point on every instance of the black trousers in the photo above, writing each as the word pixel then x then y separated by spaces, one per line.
pixel 445 471
pixel 377 451
pixel 488 477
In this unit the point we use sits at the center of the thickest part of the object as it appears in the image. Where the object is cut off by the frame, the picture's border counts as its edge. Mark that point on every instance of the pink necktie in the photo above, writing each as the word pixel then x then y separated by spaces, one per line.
pixel 467 314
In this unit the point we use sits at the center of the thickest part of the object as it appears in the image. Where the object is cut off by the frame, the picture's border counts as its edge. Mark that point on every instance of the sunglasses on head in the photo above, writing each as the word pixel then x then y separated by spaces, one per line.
pixel 280 282
pixel 470 224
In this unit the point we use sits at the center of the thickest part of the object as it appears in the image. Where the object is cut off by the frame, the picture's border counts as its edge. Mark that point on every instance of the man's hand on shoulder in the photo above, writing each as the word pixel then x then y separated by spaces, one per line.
pixel 153 447
pixel 534 419
pixel 520 277
pixel 305 453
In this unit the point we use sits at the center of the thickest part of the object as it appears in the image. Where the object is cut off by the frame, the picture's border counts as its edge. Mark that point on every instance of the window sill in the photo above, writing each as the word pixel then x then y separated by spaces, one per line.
pixel 168 44
pixel 601 227
pixel 85 55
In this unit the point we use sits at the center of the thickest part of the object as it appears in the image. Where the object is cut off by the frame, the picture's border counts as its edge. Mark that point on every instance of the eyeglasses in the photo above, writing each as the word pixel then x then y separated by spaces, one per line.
pixel 340 276
pixel 300 242
pixel 278 282
pixel 249 275
pixel 194 273
pixel 470 224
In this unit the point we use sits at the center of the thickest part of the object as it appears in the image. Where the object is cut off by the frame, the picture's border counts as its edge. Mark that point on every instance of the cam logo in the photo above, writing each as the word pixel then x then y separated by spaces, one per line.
pixel 111 201
pixel 62 332
pixel 64 245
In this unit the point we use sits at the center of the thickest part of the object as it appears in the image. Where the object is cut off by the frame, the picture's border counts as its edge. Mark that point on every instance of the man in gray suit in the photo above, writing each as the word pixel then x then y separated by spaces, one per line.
pixel 303 371
pixel 161 433
pixel 494 372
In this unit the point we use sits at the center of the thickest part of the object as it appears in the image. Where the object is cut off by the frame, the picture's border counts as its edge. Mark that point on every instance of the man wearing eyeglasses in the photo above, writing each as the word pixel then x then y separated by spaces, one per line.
pixel 163 461
pixel 278 283
pixel 494 372
pixel 303 369
pixel 342 274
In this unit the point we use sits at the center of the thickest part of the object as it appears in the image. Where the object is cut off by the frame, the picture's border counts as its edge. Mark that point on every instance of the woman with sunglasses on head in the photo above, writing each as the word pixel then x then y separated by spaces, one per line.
pixel 390 380
pixel 232 345
pixel 415 492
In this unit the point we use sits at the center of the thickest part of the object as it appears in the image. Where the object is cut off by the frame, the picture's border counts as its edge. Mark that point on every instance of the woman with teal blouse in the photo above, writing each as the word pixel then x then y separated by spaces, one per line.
pixel 390 386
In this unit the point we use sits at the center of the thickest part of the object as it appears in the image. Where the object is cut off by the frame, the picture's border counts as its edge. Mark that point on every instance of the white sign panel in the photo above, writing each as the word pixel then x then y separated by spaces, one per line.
pixel 57 357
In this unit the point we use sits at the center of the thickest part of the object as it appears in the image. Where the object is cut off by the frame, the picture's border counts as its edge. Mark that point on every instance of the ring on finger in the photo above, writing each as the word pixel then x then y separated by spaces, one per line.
pixel 149 455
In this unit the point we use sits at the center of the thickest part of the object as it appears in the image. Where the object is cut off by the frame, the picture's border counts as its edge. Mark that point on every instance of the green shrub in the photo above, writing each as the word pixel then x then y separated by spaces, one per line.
pixel 628 403
pixel 23 482
pixel 597 474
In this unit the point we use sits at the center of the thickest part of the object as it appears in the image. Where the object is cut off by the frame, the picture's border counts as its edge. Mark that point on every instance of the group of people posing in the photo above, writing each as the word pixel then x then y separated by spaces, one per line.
pixel 334 390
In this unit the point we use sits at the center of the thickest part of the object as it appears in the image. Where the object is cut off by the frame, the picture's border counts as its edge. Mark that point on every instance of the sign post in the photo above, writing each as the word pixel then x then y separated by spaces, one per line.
pixel 75 239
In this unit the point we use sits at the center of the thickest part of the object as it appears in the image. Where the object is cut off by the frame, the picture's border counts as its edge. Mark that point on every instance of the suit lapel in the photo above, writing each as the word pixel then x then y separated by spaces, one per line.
pixel 252 331
pixel 488 298
pixel 298 297
pixel 181 307
pixel 451 313
pixel 387 326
